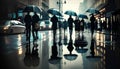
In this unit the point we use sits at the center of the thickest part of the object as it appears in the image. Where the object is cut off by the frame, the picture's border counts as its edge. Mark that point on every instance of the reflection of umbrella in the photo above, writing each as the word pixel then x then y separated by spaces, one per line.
pixel 32 8
pixel 80 43
pixel 72 13
pixel 81 50
pixel 54 61
pixel 70 56
pixel 54 11
pixel 83 16
pixel 93 10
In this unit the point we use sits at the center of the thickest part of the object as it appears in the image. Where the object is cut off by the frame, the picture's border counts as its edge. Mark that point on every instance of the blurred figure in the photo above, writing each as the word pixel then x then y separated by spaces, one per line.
pixel 70 23
pixel 104 25
pixel 35 28
pixel 82 24
pixel 65 25
pixel 28 21
pixel 54 21
pixel 100 24
pixel 77 25
pixel 92 19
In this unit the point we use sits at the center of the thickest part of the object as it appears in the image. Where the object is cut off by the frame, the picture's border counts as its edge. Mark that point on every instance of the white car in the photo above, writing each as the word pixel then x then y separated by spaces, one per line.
pixel 11 26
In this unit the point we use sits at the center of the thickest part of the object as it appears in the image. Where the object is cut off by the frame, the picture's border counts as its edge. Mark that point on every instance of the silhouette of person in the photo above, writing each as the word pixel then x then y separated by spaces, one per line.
pixel 35 19
pixel 54 21
pixel 92 19
pixel 65 25
pixel 70 23
pixel 82 24
pixel 77 25
pixel 28 20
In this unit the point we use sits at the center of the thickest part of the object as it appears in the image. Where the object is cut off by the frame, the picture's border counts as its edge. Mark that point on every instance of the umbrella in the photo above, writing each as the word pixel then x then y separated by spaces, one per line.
pixel 32 8
pixel 69 12
pixel 93 10
pixel 83 16
pixel 54 11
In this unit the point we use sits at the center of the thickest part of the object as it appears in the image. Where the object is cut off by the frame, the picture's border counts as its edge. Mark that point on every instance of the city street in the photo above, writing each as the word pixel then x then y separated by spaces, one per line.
pixel 16 53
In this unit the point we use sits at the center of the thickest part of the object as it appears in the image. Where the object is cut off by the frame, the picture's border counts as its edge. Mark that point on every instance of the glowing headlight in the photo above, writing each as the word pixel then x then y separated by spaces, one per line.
pixel 5 28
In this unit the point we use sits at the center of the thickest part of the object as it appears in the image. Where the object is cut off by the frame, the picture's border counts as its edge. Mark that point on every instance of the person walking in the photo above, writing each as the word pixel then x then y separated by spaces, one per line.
pixel 92 19
pixel 70 24
pixel 35 27
pixel 77 25
pixel 28 20
pixel 54 21
pixel 82 24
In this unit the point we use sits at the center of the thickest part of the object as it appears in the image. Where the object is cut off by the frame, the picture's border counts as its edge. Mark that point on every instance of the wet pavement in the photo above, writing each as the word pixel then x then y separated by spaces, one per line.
pixel 103 53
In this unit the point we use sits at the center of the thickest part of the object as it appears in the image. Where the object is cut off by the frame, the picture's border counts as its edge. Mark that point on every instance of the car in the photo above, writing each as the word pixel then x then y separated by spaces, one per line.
pixel 11 26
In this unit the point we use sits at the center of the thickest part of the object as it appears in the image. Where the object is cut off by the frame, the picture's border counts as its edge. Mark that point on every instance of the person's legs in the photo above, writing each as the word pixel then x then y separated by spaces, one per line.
pixel 33 33
pixel 36 31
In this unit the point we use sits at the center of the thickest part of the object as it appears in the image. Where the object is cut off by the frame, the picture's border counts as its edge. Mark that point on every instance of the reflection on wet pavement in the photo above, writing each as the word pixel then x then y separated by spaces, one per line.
pixel 78 52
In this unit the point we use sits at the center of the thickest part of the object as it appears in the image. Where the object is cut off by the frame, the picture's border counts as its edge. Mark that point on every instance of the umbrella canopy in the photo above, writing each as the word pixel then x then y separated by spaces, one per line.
pixel 83 16
pixel 54 11
pixel 93 10
pixel 32 8
pixel 69 12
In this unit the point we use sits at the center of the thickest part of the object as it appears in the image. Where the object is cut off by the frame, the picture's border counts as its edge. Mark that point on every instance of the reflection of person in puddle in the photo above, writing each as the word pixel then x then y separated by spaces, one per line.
pixel 31 58
pixel 70 46
pixel 92 48
pixel 35 57
pixel 54 51
pixel 27 58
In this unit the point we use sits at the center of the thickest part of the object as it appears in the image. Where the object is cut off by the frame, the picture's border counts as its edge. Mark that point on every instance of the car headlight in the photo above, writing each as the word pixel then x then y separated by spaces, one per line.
pixel 5 28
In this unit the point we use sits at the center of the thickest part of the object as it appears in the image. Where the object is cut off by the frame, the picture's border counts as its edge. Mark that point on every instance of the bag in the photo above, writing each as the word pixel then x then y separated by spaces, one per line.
pixel 37 26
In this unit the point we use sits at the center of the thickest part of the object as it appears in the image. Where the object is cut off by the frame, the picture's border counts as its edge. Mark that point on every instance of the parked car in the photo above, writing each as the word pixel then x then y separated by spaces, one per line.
pixel 11 26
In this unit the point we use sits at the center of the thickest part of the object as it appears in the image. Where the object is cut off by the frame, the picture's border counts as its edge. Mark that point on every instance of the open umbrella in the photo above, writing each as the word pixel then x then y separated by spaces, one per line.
pixel 83 16
pixel 69 12
pixel 54 11
pixel 93 10
pixel 32 8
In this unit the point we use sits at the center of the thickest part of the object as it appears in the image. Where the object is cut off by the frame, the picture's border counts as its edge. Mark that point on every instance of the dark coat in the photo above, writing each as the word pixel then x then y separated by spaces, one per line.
pixel 54 21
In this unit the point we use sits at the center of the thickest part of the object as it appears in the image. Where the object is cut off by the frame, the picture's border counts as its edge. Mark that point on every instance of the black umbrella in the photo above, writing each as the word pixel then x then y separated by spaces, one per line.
pixel 54 11
pixel 69 12
pixel 93 10
pixel 32 8
pixel 83 16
